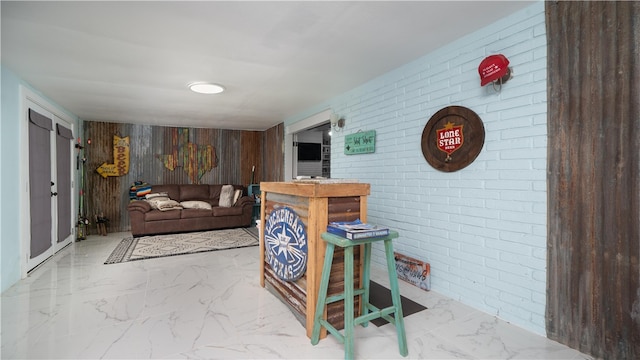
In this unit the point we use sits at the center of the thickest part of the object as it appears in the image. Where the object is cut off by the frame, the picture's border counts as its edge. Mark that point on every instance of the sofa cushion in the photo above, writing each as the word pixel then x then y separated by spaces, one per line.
pixel 155 215
pixel 172 190
pixel 227 211
pixel 226 196
pixel 193 192
pixel 195 213
pixel 214 194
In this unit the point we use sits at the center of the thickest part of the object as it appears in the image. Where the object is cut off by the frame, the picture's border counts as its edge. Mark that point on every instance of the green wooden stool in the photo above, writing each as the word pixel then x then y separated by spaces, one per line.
pixel 368 312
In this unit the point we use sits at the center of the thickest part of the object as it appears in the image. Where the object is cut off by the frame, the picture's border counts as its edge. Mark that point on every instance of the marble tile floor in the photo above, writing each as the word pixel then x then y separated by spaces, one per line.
pixel 211 306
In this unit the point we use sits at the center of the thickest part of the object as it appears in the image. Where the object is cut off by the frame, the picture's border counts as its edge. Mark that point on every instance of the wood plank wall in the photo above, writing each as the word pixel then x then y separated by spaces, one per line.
pixel 236 152
pixel 593 297
pixel 252 156
pixel 273 154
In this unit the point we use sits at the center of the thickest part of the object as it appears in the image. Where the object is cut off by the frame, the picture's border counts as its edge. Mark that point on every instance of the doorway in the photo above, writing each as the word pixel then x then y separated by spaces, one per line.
pixel 303 131
pixel 313 150
pixel 46 170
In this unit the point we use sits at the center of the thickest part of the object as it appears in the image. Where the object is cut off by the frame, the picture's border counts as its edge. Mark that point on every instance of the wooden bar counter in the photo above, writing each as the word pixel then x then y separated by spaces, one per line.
pixel 316 202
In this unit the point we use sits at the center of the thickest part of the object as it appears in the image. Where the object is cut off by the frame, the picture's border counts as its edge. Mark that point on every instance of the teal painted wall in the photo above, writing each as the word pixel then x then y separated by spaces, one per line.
pixel 9 181
pixel 482 228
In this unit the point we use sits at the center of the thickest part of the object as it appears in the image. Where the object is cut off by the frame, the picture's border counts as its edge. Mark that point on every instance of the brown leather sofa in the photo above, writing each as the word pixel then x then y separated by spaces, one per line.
pixel 148 221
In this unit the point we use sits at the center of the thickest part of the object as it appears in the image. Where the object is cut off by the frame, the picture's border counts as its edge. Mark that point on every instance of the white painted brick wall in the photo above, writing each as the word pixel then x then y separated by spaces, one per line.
pixel 482 228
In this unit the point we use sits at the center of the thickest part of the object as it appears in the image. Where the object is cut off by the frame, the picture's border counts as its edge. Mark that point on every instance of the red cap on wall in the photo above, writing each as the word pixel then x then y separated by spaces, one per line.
pixel 492 68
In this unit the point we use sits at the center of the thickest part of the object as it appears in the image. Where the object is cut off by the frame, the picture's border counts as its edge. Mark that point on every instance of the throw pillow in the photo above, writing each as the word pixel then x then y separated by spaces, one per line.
pixel 236 196
pixel 226 196
pixel 156 195
pixel 166 205
pixel 194 204
pixel 155 200
pixel 138 190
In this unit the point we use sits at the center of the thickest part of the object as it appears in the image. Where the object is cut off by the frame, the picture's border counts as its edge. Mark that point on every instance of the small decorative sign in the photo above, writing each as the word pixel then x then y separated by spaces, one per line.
pixel 413 271
pixel 362 142
pixel 285 241
pixel 452 138
pixel 120 164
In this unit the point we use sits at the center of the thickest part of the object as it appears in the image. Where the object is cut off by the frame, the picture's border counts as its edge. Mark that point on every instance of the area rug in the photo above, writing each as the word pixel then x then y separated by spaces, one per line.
pixel 148 247
pixel 380 297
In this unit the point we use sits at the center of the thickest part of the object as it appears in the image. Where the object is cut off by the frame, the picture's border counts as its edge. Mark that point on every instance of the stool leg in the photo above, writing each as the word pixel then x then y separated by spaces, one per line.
pixel 395 297
pixel 366 278
pixel 349 322
pixel 322 294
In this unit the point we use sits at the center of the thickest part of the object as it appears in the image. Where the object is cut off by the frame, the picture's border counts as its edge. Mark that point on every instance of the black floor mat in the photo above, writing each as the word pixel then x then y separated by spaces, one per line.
pixel 380 297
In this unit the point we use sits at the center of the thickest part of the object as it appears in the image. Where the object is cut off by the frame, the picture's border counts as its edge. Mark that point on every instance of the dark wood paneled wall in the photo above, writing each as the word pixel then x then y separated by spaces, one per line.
pixel 273 155
pixel 155 150
pixel 252 156
pixel 593 297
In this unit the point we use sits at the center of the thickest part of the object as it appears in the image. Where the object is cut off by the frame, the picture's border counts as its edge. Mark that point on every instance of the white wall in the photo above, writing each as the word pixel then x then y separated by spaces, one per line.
pixel 482 228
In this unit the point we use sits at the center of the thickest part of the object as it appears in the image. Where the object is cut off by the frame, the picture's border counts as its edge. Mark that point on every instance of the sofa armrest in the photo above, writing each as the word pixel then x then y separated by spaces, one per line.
pixel 245 201
pixel 139 205
pixel 137 212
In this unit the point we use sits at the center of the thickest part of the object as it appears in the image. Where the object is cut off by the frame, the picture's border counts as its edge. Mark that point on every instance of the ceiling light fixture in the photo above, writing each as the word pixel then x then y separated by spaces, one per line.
pixel 206 88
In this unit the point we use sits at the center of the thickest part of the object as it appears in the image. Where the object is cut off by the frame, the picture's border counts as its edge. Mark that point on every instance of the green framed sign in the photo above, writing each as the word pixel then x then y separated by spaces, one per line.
pixel 362 142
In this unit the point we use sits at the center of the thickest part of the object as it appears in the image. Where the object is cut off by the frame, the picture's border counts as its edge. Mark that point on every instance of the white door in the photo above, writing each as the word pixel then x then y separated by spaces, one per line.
pixel 64 163
pixel 41 237
pixel 41 181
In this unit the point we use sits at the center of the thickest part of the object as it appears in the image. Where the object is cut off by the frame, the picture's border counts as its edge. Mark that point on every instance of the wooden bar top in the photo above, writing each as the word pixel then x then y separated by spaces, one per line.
pixel 318 188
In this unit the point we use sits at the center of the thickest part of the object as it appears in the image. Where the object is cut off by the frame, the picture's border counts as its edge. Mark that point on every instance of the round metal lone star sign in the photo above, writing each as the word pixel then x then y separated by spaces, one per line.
pixel 452 138
pixel 285 240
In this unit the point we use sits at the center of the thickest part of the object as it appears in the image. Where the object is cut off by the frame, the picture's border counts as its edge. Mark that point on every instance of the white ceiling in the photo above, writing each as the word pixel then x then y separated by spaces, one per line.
pixel 131 62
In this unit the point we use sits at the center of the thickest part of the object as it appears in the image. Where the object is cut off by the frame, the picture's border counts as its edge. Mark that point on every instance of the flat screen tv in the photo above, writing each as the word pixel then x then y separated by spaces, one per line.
pixel 309 151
